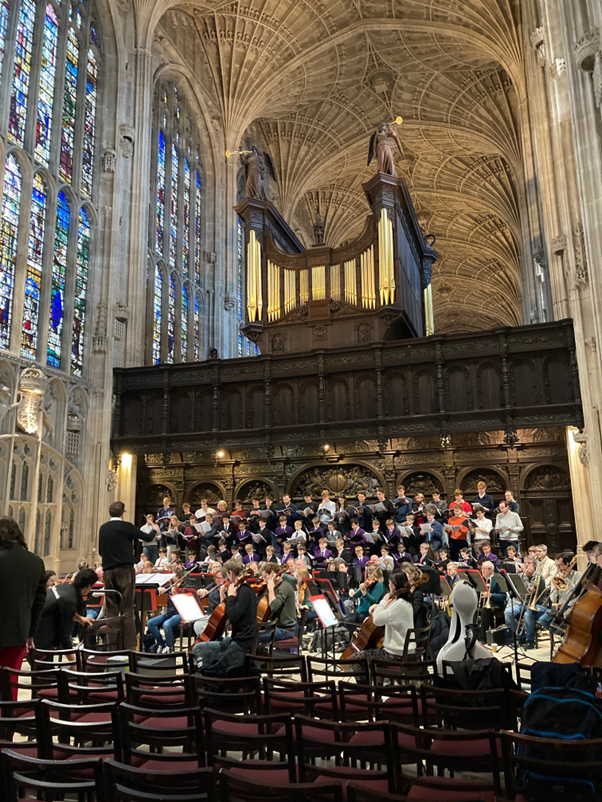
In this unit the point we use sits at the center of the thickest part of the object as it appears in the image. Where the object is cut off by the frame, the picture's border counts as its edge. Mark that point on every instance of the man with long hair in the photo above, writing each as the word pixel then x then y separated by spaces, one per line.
pixel 22 595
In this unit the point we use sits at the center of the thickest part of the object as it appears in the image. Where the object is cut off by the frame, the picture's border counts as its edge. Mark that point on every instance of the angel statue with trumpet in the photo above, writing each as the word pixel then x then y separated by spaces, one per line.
pixel 257 167
pixel 381 147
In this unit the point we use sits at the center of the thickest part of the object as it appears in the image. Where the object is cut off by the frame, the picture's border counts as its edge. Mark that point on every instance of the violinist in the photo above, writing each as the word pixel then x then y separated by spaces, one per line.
pixel 369 592
pixel 303 600
pixel 169 620
pixel 212 594
pixel 394 612
pixel 241 609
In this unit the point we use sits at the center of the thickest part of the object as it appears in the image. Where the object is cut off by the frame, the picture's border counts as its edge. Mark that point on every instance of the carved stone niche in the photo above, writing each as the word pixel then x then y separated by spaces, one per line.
pixel 255 489
pixel 347 479
pixel 495 485
pixel 421 482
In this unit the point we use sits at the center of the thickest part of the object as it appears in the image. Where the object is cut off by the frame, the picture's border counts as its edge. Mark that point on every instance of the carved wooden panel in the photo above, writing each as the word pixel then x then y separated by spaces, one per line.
pixel 283 407
pixel 255 489
pixel 208 490
pixel 396 395
pixel 421 482
pixel 232 410
pixel 204 409
pixel 154 412
pixel 496 486
pixel 347 479
pixel 547 477
pixel 255 407
pixel 181 411
pixel 133 415
pixel 308 402
pixel 490 395
pixel 523 383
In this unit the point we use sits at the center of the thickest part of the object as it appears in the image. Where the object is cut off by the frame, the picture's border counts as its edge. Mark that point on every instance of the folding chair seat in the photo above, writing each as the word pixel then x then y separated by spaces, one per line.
pixel 352 746
pixel 474 751
pixel 399 672
pixel 252 735
pixel 157 665
pixel 95 661
pixel 62 729
pixel 150 741
pixel 313 698
pixel 277 666
pixel 232 694
pixel 48 779
pixel 131 784
pixel 164 691
pixel 90 688
pixel 446 789
pixel 292 644
pixel 233 786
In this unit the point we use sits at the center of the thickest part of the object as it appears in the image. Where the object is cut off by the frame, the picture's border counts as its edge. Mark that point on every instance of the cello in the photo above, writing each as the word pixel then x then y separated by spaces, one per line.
pixel 583 639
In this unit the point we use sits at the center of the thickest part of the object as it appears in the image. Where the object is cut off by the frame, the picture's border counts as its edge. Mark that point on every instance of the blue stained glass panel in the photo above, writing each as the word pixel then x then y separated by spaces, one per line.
pixel 46 93
pixel 173 223
pixel 157 300
pixel 33 276
pixel 197 328
pixel 160 238
pixel 186 216
pixel 81 287
pixel 184 326
pixel 89 124
pixel 171 319
pixel 19 93
pixel 197 230
pixel 9 233
pixel 239 272
pixel 57 291
pixel 69 107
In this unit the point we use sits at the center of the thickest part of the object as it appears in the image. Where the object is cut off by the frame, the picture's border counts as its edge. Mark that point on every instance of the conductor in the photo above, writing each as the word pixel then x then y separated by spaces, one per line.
pixel 116 547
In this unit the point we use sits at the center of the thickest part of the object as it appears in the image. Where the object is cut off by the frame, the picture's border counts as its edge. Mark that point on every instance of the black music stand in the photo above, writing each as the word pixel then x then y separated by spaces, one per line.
pixel 517 589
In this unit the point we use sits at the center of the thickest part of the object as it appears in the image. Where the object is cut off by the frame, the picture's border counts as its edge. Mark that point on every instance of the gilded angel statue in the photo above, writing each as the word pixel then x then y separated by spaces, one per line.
pixel 257 167
pixel 381 148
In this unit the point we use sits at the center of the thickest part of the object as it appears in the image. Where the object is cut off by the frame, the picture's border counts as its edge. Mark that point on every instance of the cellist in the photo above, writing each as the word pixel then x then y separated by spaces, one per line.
pixel 395 613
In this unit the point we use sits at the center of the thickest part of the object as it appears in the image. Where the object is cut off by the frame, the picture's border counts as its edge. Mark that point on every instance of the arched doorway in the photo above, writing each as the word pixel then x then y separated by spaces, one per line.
pixel 546 501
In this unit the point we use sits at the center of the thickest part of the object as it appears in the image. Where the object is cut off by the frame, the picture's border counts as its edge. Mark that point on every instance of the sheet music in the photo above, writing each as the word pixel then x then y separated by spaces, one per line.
pixel 324 611
pixel 147 529
pixel 187 606
pixel 153 579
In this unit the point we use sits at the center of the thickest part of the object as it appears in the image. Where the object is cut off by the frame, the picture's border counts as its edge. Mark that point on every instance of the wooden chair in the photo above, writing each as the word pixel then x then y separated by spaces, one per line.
pixel 232 695
pixel 235 788
pixel 49 780
pixel 130 784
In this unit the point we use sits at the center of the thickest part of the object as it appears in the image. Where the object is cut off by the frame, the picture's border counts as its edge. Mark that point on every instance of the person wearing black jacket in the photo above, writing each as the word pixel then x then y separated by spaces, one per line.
pixel 64 605
pixel 116 547
pixel 22 595
pixel 221 656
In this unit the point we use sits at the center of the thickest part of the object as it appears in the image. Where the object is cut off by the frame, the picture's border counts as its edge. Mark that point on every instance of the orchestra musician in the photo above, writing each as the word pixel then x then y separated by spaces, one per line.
pixel 212 594
pixel 281 598
pixel 241 609
pixel 565 576
pixel 451 574
pixel 369 592
pixel 492 600
pixel 394 613
pixel 545 565
pixel 169 620
pixel 64 604
pixel 517 611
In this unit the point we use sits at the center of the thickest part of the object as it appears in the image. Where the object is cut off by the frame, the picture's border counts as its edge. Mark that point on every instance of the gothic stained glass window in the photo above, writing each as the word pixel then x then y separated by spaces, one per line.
pixel 173 224
pixel 4 9
pixel 186 216
pixel 69 107
pixel 197 229
pixel 46 94
pixel 157 300
pixel 19 92
pixel 197 328
pixel 9 231
pixel 184 326
pixel 57 291
pixel 171 319
pixel 160 195
pixel 33 277
pixel 47 532
pixel 81 286
pixel 89 124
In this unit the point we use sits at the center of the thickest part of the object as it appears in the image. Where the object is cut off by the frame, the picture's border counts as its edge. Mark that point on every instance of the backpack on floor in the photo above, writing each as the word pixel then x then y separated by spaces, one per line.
pixel 567 714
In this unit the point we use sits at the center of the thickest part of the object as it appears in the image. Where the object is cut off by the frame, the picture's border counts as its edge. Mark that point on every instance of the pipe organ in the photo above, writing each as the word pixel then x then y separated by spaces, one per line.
pixel 374 288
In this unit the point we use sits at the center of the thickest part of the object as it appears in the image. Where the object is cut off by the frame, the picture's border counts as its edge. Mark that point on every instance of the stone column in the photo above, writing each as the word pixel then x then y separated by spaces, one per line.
pixel 578 467
pixel 126 485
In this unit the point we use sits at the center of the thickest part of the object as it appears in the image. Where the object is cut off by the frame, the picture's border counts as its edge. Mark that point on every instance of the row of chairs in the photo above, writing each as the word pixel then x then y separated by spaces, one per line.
pixel 279 751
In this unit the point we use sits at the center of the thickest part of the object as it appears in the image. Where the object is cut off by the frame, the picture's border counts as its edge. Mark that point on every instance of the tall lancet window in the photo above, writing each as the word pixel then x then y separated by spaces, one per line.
pixel 175 325
pixel 51 77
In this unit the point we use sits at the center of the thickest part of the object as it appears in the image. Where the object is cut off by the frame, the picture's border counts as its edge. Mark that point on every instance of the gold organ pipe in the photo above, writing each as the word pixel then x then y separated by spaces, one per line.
pixel 350 282
pixel 386 262
pixel 318 283
pixel 304 286
pixel 274 310
pixel 335 282
pixel 368 283
pixel 429 317
pixel 254 289
pixel 290 290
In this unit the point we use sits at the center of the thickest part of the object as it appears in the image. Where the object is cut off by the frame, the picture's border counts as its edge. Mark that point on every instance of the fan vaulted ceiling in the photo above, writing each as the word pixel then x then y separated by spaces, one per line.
pixel 308 80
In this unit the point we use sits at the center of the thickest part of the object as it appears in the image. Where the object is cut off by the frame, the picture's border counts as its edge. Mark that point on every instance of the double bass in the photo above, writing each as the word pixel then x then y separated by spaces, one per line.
pixel 583 642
